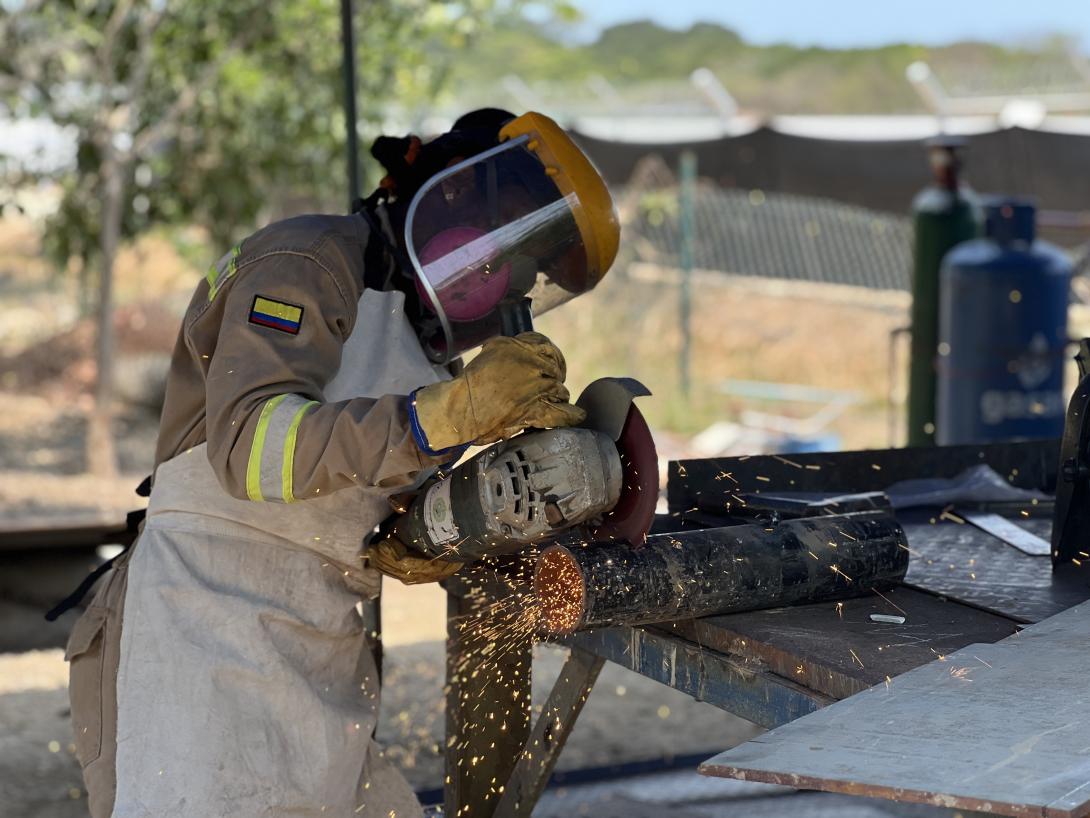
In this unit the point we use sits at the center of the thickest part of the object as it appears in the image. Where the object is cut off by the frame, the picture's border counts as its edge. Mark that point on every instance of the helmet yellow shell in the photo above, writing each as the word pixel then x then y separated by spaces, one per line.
pixel 576 178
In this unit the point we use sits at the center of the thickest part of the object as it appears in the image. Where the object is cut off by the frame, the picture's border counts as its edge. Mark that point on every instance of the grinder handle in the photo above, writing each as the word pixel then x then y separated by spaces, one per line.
pixel 516 317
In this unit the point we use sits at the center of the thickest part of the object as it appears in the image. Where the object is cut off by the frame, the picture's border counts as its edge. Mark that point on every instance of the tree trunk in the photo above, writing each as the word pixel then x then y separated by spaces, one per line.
pixel 101 451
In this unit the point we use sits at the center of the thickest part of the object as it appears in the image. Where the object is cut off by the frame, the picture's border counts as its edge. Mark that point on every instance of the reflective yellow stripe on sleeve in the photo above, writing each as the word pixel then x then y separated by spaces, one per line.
pixel 272 455
pixel 289 451
pixel 220 272
pixel 253 467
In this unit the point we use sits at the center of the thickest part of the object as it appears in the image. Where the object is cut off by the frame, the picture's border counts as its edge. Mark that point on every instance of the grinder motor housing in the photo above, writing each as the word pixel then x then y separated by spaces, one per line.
pixel 596 481
pixel 516 493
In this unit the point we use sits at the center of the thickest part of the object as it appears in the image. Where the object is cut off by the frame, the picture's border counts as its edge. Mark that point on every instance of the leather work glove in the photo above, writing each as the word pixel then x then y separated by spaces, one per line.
pixel 513 384
pixel 393 558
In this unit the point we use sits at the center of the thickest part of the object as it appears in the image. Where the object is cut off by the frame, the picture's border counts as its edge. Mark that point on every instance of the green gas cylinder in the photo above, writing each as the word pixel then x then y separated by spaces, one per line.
pixel 944 214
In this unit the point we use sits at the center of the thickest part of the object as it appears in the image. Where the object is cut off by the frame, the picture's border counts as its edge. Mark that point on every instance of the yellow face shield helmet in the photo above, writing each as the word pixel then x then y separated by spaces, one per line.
pixel 528 219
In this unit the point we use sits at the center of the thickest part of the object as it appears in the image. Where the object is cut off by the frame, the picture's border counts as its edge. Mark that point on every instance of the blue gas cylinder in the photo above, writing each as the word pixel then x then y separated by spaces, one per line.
pixel 1002 332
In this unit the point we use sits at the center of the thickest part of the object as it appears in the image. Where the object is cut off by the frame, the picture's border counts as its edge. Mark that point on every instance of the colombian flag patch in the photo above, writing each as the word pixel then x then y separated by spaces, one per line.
pixel 266 312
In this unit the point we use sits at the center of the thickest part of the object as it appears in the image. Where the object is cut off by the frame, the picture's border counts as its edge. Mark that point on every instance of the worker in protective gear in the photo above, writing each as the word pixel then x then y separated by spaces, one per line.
pixel 222 667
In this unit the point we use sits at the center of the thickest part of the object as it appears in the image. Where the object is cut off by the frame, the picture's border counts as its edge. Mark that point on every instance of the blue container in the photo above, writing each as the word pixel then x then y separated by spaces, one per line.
pixel 1002 332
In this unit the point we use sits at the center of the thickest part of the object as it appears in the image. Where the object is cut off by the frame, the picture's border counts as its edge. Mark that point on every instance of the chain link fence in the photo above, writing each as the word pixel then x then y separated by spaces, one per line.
pixel 763 234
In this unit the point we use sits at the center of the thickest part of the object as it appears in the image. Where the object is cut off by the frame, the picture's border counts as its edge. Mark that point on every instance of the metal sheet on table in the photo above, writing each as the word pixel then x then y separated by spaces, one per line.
pixel 836 649
pixel 710 482
pixel 964 563
pixel 998 728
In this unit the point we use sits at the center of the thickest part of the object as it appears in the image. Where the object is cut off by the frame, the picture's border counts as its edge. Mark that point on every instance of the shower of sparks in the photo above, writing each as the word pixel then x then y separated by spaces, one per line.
pixel 559 585
pixel 501 617
pixel 890 601
pixel 836 570
pixel 490 672
pixel 788 462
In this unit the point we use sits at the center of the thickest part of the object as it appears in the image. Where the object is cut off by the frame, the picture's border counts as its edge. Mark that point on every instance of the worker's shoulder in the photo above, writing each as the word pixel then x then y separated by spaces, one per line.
pixel 291 255
pixel 321 237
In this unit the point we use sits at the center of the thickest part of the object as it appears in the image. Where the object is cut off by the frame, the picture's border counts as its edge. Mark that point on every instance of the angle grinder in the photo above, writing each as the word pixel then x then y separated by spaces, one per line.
pixel 594 482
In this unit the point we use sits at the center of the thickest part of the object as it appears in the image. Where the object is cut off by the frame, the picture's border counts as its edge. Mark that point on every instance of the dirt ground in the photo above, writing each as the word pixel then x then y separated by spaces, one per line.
pixel 627 717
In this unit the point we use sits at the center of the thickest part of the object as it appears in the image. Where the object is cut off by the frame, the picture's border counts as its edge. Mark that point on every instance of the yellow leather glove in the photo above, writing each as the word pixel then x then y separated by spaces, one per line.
pixel 390 556
pixel 513 384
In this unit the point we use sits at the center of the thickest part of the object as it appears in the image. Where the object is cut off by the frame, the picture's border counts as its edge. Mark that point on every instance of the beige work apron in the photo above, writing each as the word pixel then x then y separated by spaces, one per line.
pixel 246 686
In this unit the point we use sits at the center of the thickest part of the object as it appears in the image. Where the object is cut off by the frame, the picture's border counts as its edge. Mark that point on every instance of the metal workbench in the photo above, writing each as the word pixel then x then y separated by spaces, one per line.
pixel 963 587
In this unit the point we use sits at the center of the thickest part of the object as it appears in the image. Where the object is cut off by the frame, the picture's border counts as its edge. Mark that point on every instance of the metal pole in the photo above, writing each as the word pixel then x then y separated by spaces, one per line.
pixel 372 608
pixel 687 225
pixel 348 65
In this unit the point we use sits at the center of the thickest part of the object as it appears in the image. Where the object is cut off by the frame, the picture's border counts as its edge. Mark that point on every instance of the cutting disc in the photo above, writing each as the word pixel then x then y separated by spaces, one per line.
pixel 631 518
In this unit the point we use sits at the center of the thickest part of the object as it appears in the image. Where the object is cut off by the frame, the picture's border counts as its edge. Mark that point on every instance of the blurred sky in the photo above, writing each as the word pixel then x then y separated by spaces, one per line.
pixel 846 23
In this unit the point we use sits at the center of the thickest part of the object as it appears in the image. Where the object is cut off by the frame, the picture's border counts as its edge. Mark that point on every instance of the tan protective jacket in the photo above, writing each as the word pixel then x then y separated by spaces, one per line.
pixel 260 340
pixel 240 680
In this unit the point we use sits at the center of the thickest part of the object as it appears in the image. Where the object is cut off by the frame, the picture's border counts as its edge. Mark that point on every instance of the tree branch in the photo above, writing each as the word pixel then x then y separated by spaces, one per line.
pixel 189 96
pixel 29 47
pixel 109 36
pixel 144 43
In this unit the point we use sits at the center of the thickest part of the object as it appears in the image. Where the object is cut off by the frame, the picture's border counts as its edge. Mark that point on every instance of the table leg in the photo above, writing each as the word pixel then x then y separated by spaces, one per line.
pixel 553 727
pixel 487 705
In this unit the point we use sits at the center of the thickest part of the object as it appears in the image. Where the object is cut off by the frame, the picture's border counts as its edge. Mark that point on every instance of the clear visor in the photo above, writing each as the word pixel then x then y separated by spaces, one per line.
pixel 483 236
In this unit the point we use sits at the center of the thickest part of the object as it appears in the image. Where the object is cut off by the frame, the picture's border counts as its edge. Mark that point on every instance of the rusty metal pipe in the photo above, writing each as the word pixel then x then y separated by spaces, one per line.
pixel 718 571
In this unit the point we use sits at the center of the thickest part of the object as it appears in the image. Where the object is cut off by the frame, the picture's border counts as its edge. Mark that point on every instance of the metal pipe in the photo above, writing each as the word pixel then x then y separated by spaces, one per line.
pixel 719 570
pixel 348 66
pixel 687 195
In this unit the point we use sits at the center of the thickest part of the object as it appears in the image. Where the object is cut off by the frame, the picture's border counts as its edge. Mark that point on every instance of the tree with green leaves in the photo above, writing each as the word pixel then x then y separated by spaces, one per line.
pixel 213 113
